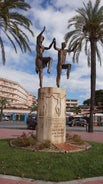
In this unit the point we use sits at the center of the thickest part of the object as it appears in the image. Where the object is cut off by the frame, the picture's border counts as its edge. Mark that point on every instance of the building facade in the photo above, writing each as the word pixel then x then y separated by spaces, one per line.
pixel 71 104
pixel 16 95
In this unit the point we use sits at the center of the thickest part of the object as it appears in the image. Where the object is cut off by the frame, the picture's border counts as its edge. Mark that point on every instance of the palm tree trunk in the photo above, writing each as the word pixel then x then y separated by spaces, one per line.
pixel 93 83
pixel 1 113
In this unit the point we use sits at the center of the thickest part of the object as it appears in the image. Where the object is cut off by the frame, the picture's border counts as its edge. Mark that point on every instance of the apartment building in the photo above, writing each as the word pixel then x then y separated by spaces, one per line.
pixel 17 96
pixel 70 104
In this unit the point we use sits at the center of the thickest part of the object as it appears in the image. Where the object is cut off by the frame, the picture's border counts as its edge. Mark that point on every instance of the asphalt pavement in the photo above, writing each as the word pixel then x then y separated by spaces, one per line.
pixel 13 124
pixel 22 125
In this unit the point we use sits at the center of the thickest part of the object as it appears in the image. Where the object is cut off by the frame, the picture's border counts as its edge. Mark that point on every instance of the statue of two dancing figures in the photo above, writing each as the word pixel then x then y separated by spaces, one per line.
pixel 42 62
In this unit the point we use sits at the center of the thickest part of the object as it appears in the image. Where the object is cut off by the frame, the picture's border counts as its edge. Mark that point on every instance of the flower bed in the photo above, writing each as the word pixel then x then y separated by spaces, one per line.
pixel 28 141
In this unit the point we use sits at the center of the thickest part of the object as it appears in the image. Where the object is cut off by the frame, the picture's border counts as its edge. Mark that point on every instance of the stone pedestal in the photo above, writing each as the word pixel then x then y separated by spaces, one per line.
pixel 51 115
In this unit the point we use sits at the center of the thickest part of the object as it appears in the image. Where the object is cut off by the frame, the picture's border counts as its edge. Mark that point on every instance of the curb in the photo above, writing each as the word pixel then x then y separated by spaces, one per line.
pixel 94 180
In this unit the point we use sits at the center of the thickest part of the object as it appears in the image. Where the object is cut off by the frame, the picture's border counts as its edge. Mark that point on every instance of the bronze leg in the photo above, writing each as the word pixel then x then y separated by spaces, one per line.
pixel 40 77
pixel 58 82
pixel 49 65
pixel 68 71
pixel 59 70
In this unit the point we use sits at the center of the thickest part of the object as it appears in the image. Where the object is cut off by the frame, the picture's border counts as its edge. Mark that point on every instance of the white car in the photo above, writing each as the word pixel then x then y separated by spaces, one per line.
pixel 5 118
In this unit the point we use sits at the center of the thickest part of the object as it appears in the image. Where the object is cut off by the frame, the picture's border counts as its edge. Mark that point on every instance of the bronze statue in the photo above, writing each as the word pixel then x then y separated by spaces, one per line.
pixel 42 62
pixel 62 52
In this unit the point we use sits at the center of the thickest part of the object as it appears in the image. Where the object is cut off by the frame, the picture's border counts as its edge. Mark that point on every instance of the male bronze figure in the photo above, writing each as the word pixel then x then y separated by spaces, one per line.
pixel 41 61
pixel 62 52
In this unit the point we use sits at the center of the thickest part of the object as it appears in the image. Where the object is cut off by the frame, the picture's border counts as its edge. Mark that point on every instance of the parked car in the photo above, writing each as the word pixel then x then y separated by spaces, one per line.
pixel 32 121
pixel 67 120
pixel 5 118
pixel 78 122
pixel 100 123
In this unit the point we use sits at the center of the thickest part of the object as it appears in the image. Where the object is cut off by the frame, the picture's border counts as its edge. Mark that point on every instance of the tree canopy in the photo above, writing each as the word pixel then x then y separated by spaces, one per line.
pixel 86 32
pixel 13 25
pixel 3 103
pixel 98 98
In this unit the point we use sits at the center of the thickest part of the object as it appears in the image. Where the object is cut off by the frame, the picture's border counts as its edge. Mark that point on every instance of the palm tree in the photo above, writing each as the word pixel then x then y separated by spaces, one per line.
pixel 87 33
pixel 14 25
pixel 3 103
pixel 77 110
pixel 33 107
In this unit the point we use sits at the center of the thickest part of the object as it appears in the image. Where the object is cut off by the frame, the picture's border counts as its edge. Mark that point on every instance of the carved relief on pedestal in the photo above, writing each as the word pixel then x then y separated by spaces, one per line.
pixel 51 115
pixel 45 100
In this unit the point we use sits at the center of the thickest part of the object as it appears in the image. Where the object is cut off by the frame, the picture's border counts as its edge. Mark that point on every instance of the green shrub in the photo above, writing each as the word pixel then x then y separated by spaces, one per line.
pixel 47 143
pixel 77 139
pixel 24 140
pixel 74 139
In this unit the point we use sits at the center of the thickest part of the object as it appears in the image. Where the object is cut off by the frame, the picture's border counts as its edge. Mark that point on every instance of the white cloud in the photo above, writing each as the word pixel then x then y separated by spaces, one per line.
pixel 28 81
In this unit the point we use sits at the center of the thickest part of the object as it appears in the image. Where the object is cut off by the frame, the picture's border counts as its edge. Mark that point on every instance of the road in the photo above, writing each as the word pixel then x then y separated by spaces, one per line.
pixel 13 124
pixel 22 125
pixel 84 129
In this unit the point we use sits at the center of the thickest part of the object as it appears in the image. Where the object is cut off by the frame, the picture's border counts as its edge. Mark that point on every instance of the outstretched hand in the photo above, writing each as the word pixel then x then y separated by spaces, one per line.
pixel 44 28
pixel 54 40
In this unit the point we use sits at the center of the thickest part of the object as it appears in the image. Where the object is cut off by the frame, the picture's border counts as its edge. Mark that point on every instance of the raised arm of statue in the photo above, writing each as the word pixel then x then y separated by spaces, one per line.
pixel 40 38
pixel 42 31
pixel 47 48
pixel 55 47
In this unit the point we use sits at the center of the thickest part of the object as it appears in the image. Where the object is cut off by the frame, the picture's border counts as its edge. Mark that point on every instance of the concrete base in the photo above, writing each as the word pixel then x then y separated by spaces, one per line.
pixel 51 115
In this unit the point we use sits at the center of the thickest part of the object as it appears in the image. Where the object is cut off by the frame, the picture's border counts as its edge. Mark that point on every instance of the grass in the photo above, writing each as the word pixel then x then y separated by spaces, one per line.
pixel 51 166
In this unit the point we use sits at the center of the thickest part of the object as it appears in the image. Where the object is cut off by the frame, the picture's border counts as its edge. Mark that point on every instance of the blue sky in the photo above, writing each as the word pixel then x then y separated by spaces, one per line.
pixel 20 67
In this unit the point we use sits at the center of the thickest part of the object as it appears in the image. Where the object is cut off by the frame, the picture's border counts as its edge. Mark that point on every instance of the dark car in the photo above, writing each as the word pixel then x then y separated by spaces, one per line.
pixel 32 121
pixel 100 123
pixel 67 120
pixel 78 122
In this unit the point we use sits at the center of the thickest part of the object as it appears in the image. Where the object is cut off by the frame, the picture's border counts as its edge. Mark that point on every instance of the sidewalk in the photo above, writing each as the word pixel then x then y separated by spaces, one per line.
pixel 10 133
pixel 17 180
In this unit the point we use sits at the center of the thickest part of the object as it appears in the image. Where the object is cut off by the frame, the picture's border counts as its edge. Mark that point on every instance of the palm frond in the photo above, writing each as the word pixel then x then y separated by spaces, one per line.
pixel 15 25
pixel 98 55
pixel 2 50
pixel 89 57
pixel 96 6
pixel 10 41
pixel 87 24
